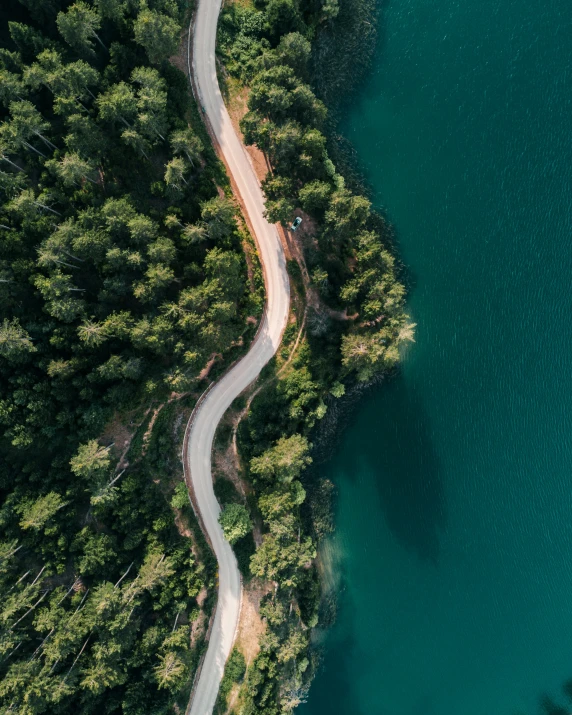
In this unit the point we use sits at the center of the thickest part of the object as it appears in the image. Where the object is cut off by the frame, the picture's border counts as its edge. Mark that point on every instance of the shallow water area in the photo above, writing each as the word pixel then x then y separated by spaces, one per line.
pixel 454 521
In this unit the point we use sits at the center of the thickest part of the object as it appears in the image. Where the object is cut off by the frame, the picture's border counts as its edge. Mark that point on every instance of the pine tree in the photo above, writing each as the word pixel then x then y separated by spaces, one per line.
pixel 36 513
pixel 118 103
pixel 91 461
pixel 11 87
pixel 68 82
pixel 170 671
pixel 15 342
pixel 78 27
pixel 26 123
pixel 218 215
pixel 157 33
pixel 71 168
pixel 175 173
pixel 284 461
pixel 186 142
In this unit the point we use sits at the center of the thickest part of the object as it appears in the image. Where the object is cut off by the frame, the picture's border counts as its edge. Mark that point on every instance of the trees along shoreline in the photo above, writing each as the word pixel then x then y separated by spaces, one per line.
pixel 283 52
pixel 122 274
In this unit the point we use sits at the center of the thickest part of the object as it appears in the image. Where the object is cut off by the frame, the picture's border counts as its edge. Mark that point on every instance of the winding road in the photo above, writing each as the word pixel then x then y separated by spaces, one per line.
pixel 201 429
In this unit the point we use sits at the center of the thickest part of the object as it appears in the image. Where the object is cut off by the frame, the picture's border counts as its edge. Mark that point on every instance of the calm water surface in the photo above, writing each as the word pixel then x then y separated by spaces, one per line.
pixel 454 523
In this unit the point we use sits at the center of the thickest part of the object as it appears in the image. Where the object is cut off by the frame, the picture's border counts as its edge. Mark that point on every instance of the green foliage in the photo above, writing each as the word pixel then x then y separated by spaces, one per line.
pixel 112 9
pixel 282 559
pixel 314 197
pixel 234 671
pixel 235 522
pixel 286 121
pixel 235 666
pixel 187 143
pixel 106 309
pixel 94 550
pixel 35 514
pixel 330 9
pixel 180 498
pixel 91 460
pixel 284 461
pixel 15 342
pixel 170 671
pixel 278 52
pixel 338 389
pixel 218 215
pixel 241 30
pixel 157 33
pixel 113 621
pixel 294 50
pixel 308 597
pixel 78 26
pixel 282 16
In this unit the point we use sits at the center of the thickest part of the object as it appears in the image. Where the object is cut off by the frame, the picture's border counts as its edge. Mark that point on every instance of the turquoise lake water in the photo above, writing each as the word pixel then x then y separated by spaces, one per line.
pixel 454 520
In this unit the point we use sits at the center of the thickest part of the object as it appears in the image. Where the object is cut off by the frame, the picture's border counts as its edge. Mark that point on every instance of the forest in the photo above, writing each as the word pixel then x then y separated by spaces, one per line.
pixel 122 273
pixel 126 279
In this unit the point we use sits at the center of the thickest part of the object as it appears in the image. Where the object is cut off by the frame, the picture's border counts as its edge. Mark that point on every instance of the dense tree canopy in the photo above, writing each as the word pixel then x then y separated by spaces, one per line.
pixel 235 522
pixel 284 461
pixel 122 275
pixel 121 278
pixel 286 120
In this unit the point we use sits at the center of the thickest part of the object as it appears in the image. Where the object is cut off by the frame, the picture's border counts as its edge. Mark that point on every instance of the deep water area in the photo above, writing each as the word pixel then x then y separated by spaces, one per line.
pixel 453 546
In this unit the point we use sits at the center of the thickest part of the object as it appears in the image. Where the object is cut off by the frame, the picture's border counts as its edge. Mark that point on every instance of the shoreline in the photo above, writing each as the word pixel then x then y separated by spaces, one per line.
pixel 310 612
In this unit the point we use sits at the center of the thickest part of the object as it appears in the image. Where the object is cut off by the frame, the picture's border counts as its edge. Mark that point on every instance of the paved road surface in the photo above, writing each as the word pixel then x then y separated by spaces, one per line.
pixel 267 342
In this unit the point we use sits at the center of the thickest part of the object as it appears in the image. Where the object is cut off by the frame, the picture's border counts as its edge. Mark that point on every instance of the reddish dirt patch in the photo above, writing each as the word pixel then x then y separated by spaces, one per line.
pixel 251 626
pixel 237 107
pixel 204 373
pixel 180 59
pixel 120 432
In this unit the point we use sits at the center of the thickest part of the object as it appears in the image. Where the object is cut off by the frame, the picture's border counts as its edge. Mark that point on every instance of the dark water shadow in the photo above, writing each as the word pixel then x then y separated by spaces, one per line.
pixel 389 432
pixel 396 445
pixel 333 691
pixel 336 695
pixel 554 705
pixel 548 706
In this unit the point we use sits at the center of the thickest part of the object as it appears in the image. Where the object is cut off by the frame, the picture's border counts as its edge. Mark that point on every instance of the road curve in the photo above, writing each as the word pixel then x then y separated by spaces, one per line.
pixel 206 418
